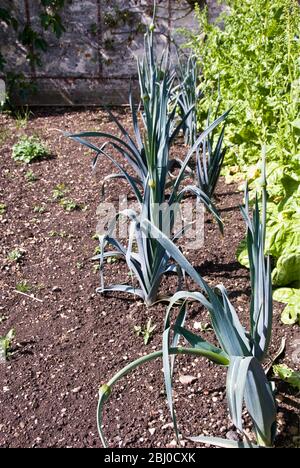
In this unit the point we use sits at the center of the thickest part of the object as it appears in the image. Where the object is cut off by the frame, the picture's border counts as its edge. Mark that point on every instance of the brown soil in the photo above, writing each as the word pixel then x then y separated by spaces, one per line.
pixel 75 340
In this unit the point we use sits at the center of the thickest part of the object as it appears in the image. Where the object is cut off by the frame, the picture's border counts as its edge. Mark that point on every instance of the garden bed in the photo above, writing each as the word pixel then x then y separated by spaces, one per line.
pixel 75 340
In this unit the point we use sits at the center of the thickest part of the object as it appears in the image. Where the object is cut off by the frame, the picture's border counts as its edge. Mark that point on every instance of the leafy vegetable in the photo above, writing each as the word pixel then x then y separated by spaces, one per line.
pixel 286 374
pixel 290 296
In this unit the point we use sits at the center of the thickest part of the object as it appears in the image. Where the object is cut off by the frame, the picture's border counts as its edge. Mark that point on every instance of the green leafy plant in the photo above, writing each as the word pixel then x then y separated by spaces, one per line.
pixel 241 352
pixel 69 205
pixel 39 209
pixel 31 177
pixel 23 287
pixel 288 375
pixel 60 191
pixel 61 234
pixel 16 255
pixel 282 238
pixel 148 156
pixel 291 297
pixel 145 331
pixel 252 54
pixel 2 209
pixel 29 149
pixel 251 57
pixel 6 344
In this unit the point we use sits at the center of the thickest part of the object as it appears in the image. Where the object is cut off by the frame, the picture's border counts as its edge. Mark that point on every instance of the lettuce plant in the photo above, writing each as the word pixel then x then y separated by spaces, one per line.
pixel 242 352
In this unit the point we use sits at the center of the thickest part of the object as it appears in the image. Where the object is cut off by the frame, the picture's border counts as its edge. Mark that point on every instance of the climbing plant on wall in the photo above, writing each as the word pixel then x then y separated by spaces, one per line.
pixel 32 40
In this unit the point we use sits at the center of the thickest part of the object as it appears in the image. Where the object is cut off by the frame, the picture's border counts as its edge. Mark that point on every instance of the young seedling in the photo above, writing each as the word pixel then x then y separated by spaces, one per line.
pixel 97 250
pixel 6 344
pixel 29 149
pixel 146 331
pixel 16 255
pixel 61 234
pixel 60 191
pixel 23 287
pixel 39 209
pixel 69 205
pixel 22 118
pixel 2 209
pixel 31 177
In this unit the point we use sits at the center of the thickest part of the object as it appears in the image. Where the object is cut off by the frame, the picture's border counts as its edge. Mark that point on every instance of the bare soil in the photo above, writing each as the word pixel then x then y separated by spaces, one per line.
pixel 75 340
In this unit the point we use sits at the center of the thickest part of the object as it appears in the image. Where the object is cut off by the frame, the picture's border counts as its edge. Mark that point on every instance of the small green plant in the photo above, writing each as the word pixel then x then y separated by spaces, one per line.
pixel 146 331
pixel 39 209
pixel 97 250
pixel 60 191
pixel 69 205
pixel 16 255
pixel 61 234
pixel 31 177
pixel 22 117
pixel 29 149
pixel 288 375
pixel 23 287
pixel 6 345
pixel 2 209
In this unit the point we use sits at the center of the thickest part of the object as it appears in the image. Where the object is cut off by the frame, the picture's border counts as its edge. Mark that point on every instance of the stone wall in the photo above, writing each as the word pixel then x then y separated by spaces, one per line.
pixel 94 61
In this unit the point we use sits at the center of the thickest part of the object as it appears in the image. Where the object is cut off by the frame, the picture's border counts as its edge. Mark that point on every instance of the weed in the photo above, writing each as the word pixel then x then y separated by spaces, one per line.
pixel 2 209
pixel 61 234
pixel 16 255
pixel 23 287
pixel 146 331
pixel 29 149
pixel 31 177
pixel 6 345
pixel 39 209
pixel 60 191
pixel 69 205
pixel 22 117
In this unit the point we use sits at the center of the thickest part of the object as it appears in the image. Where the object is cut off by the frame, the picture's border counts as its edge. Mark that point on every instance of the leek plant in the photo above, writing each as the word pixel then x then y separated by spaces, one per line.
pixel 158 192
pixel 189 94
pixel 241 352
pixel 211 153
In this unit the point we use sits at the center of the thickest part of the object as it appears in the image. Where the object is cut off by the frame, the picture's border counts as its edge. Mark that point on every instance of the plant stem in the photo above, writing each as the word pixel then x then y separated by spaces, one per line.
pixel 105 390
